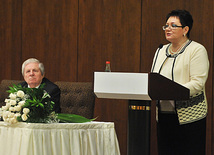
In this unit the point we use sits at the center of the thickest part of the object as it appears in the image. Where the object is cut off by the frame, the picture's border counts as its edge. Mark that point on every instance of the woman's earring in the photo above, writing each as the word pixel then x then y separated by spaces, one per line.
pixel 184 34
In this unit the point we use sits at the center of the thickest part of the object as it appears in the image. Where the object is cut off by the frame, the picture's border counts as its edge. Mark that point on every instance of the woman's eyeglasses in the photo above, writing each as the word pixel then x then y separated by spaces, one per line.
pixel 172 27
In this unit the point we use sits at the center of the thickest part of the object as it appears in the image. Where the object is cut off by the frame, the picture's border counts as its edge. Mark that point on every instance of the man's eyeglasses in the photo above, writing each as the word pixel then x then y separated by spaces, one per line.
pixel 172 27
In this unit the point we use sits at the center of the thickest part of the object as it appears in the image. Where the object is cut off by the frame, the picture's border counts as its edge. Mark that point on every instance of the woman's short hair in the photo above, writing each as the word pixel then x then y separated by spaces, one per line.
pixel 185 18
pixel 33 60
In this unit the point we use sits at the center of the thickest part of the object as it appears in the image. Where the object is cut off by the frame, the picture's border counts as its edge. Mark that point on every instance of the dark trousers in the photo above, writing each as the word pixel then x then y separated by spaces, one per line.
pixel 175 139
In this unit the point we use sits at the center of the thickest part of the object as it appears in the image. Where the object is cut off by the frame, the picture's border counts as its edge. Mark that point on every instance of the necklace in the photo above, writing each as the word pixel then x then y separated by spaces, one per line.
pixel 179 49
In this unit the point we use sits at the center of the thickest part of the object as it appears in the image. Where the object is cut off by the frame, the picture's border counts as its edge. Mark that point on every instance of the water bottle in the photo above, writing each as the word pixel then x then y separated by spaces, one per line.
pixel 108 68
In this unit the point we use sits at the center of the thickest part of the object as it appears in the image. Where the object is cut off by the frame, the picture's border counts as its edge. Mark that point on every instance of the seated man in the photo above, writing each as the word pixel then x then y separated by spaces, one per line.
pixel 33 72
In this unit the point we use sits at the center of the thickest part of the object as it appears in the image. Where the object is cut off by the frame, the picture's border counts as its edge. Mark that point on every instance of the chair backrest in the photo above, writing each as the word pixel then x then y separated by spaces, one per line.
pixel 77 98
pixel 4 86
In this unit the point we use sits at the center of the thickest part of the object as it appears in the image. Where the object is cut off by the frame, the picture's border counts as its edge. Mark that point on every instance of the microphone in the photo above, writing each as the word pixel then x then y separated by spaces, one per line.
pixel 159 47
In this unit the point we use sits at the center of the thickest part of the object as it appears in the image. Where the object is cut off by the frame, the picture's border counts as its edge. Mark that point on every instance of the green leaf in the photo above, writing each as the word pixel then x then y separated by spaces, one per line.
pixel 15 88
pixel 41 105
pixel 72 118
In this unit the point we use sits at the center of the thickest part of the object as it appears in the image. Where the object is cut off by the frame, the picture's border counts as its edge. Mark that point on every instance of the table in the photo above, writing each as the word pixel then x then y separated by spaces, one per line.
pixel 93 138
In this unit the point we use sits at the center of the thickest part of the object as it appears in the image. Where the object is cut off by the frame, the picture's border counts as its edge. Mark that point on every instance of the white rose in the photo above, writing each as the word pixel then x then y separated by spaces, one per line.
pixel 11 109
pixel 17 115
pixel 7 120
pixel 12 96
pixel 26 110
pixel 11 115
pixel 7 100
pixel 24 117
pixel 21 103
pixel 13 102
pixel 13 120
pixel 6 113
pixel 7 106
pixel 4 108
pixel 20 93
pixel 18 108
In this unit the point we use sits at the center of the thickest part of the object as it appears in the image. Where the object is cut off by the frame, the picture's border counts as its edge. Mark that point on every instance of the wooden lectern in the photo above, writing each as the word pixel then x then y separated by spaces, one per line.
pixel 139 89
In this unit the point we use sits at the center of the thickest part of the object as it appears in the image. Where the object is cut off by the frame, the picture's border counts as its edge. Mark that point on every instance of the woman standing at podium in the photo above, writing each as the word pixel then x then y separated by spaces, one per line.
pixel 181 126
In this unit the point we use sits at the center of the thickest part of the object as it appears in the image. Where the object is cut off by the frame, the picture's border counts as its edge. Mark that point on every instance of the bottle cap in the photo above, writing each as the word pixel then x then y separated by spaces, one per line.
pixel 107 62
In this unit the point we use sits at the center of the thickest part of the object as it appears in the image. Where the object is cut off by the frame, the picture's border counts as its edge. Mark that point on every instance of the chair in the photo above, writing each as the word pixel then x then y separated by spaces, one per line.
pixel 77 98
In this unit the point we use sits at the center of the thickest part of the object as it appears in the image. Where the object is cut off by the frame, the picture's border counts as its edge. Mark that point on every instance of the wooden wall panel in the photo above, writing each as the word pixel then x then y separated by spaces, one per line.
pixel 109 30
pixel 10 39
pixel 49 33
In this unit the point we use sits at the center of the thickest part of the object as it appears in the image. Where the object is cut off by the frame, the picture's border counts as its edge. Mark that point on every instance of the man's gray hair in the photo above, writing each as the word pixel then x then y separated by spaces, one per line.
pixel 33 60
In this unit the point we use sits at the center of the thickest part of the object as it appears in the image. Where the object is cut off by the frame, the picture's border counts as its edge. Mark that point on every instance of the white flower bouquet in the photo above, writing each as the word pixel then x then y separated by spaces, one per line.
pixel 33 105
